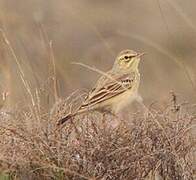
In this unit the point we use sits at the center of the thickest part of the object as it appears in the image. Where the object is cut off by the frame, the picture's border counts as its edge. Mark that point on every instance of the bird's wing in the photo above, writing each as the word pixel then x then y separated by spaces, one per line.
pixel 109 87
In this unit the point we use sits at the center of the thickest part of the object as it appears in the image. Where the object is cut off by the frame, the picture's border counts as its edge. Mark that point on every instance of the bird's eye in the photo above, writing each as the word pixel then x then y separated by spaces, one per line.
pixel 126 57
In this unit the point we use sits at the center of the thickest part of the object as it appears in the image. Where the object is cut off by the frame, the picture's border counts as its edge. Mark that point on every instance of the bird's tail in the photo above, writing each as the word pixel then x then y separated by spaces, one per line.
pixel 65 119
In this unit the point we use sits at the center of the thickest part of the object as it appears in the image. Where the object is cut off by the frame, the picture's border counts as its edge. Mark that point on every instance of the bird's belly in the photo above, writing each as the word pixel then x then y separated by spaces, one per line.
pixel 123 100
pixel 119 102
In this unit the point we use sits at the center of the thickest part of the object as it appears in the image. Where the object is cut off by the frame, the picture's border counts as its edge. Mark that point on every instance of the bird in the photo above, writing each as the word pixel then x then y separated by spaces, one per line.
pixel 115 89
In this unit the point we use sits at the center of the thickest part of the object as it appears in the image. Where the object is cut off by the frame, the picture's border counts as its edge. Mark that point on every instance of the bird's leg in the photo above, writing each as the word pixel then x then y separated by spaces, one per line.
pixel 116 119
pixel 104 120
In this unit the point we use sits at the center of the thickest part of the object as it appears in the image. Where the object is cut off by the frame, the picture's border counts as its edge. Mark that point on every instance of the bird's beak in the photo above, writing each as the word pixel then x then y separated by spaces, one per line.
pixel 140 54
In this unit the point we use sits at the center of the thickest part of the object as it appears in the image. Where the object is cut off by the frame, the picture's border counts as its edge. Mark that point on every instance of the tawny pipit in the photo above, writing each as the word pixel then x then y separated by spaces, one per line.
pixel 116 89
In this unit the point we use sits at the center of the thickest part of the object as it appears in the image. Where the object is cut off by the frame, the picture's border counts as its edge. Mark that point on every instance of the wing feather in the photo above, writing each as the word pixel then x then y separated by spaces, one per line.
pixel 110 88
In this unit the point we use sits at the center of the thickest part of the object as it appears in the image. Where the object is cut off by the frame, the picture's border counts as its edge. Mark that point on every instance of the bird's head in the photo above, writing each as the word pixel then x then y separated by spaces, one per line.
pixel 127 60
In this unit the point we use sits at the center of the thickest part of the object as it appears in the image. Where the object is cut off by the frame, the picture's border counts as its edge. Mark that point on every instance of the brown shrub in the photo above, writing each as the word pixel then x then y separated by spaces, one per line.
pixel 92 147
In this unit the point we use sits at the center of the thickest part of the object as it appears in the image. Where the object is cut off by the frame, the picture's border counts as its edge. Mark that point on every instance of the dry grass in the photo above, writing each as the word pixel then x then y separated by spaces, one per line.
pixel 159 143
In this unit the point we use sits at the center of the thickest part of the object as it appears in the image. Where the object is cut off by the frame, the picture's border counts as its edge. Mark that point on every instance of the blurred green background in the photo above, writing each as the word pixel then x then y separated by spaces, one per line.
pixel 93 32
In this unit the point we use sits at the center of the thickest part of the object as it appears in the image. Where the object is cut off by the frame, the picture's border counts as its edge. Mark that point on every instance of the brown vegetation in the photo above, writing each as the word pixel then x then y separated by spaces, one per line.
pixel 91 147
